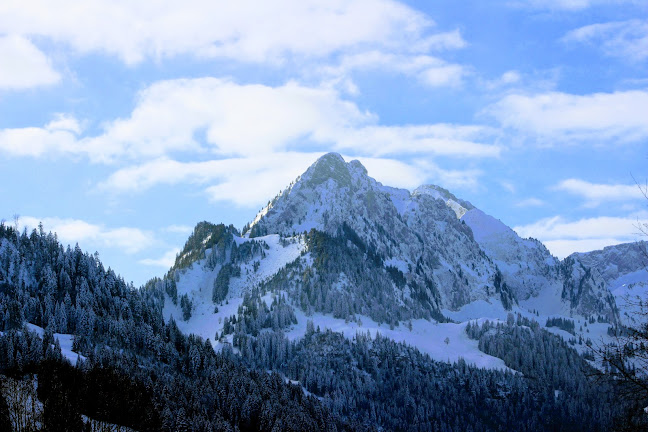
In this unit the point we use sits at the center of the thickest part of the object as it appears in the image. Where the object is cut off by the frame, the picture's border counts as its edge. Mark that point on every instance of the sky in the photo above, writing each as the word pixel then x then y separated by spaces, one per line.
pixel 124 123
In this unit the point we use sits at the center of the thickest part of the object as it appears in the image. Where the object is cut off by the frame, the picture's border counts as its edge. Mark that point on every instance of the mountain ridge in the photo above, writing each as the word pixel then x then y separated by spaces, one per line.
pixel 348 318
pixel 332 192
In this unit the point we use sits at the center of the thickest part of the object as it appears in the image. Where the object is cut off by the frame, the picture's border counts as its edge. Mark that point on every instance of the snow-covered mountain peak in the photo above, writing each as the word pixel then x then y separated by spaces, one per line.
pixel 332 167
pixel 316 199
pixel 392 253
pixel 419 234
pixel 459 206
pixel 618 260
pixel 357 166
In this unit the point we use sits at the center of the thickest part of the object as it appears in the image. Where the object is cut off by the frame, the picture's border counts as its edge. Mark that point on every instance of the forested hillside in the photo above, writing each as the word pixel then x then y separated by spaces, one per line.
pixel 137 371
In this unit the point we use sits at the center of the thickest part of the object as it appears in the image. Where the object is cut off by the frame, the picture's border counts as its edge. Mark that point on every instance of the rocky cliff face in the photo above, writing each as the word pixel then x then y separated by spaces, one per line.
pixel 417 233
pixel 396 255
pixel 530 271
pixel 618 265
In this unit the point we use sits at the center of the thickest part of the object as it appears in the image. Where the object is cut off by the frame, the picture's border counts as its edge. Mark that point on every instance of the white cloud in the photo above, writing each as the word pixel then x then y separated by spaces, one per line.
pixel 626 39
pixel 71 231
pixel 564 248
pixel 247 120
pixel 564 237
pixel 566 5
pixel 210 115
pixel 57 137
pixel 451 179
pixel 554 116
pixel 438 139
pixel 595 194
pixel 530 202
pixel 508 78
pixel 24 65
pixel 430 71
pixel 238 140
pixel 165 261
pixel 246 30
pixel 244 181
pixel 235 119
pixel 64 122
pixel 393 172
pixel 252 181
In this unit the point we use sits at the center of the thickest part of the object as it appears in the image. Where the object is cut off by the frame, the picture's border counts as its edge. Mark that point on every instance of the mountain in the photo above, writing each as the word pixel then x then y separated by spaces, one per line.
pixel 346 252
pixel 78 345
pixel 416 235
pixel 425 235
pixel 536 278
pixel 344 305
pixel 624 270
pixel 618 265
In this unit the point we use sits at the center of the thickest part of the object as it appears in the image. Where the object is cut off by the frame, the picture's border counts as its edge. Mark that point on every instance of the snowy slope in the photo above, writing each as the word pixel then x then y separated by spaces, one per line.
pixel 624 268
pixel 64 340
pixel 435 246
pixel 539 280
pixel 428 337
pixel 619 265
pixel 415 229
pixel 527 266
pixel 197 282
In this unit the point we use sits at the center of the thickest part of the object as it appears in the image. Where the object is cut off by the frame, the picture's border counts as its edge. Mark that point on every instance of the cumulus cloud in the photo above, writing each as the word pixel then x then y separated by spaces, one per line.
pixel 508 78
pixel 243 181
pixel 236 140
pixel 245 120
pixel 563 117
pixel 24 65
pixel 437 139
pixel 595 194
pixel 429 70
pixel 245 30
pixel 88 235
pixel 393 172
pixel 58 137
pixel 235 119
pixel 626 39
pixel 250 181
pixel 215 116
pixel 564 237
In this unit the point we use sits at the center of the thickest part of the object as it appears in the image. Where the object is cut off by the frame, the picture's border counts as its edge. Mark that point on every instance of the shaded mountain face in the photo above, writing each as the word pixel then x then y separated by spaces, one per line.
pixel 417 234
pixel 618 265
pixel 449 252
pixel 624 271
pixel 526 264
pixel 529 269
pixel 339 242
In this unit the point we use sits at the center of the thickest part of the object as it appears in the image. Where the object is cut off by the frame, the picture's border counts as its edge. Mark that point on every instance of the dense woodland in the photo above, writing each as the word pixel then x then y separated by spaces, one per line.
pixel 178 380
pixel 140 372
pixel 363 288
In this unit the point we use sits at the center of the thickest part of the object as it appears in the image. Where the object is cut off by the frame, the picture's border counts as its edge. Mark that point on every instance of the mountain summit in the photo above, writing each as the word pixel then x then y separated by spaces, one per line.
pixel 341 248
pixel 418 234
pixel 450 253
pixel 321 290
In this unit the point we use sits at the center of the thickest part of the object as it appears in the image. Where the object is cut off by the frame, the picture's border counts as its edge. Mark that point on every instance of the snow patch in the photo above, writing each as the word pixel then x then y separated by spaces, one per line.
pixel 427 336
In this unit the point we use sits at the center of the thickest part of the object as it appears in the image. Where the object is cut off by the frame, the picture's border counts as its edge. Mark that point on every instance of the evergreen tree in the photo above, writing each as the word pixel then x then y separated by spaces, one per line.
pixel 5 420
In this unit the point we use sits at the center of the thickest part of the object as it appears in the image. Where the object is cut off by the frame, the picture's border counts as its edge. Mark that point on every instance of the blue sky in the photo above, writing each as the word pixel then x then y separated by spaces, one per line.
pixel 123 124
